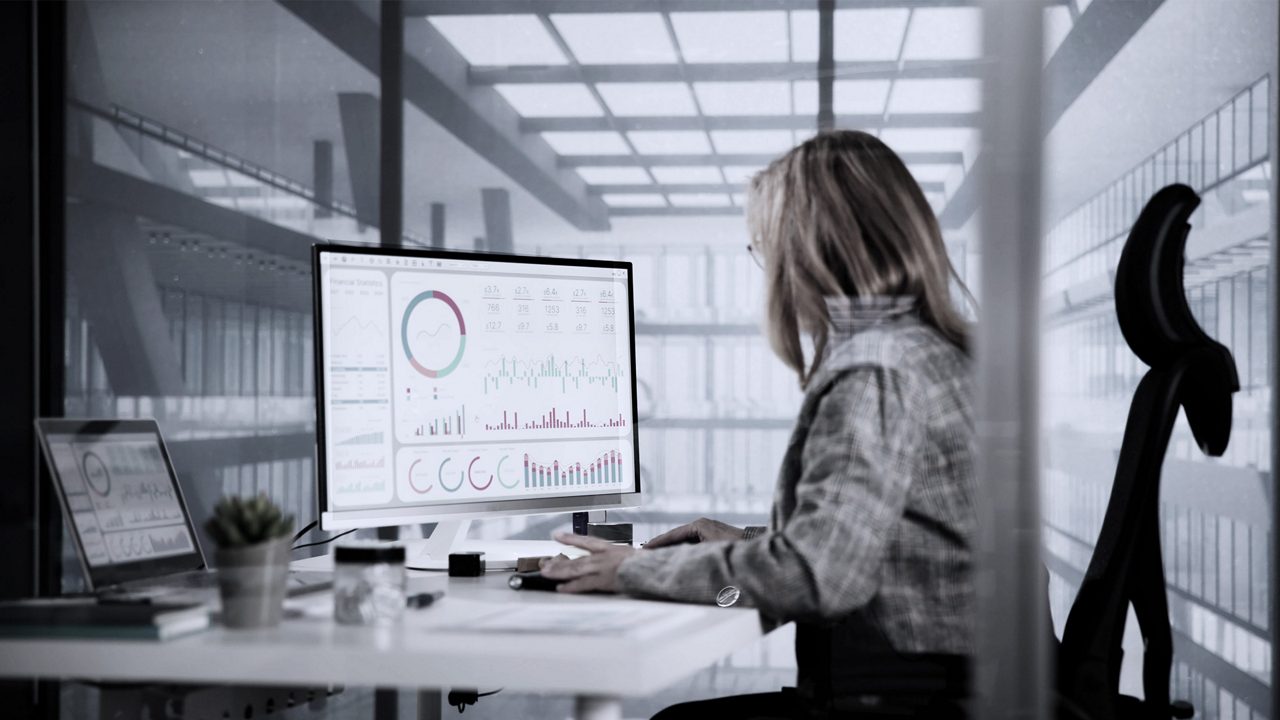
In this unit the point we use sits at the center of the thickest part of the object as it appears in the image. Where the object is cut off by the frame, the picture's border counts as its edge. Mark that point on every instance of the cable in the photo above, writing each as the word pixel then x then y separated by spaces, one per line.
pixel 298 536
pixel 323 542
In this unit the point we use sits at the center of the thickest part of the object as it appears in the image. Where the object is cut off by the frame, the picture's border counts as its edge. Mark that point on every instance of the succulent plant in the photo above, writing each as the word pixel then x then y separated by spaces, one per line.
pixel 239 522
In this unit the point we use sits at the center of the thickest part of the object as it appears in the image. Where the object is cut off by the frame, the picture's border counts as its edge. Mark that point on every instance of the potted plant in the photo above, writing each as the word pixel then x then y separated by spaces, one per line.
pixel 253 538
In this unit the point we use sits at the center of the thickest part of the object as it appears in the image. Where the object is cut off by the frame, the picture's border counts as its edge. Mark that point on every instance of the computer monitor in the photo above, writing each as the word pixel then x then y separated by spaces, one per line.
pixel 456 385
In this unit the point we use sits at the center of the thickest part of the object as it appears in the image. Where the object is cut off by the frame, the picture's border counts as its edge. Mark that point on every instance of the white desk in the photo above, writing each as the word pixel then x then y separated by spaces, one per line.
pixel 422 652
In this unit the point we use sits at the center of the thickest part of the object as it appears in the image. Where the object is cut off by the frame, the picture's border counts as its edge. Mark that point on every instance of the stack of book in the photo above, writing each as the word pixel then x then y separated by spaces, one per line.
pixel 91 618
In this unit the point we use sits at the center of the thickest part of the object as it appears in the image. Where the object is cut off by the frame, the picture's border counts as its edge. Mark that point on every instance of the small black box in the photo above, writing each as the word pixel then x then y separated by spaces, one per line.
pixel 466 564
pixel 618 532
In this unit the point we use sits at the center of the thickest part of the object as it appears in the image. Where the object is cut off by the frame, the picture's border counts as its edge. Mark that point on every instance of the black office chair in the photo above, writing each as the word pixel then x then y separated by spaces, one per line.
pixel 1190 370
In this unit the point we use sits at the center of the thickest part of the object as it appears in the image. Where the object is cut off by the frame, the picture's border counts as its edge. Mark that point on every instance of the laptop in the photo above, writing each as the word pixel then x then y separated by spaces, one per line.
pixel 123 504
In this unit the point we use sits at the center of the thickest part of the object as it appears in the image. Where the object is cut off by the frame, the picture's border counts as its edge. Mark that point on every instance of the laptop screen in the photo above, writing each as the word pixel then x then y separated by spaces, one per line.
pixel 120 498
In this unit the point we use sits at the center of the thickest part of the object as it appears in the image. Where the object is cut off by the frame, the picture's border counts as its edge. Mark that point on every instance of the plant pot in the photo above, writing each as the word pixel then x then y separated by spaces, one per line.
pixel 252 581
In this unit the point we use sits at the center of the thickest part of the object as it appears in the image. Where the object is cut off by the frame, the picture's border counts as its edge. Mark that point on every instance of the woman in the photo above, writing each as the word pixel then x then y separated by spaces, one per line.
pixel 868 549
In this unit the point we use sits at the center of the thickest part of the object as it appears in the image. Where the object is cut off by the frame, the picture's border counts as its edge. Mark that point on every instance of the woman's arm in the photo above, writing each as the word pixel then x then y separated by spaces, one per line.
pixel 824 561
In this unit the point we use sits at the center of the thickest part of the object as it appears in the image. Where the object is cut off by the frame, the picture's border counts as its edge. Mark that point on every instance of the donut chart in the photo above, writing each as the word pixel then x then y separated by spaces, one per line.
pixel 474 484
pixel 414 486
pixel 515 479
pixel 462 476
pixel 404 333
pixel 96 474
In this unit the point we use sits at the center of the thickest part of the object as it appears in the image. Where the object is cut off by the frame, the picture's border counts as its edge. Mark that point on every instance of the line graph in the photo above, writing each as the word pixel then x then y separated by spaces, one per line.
pixel 353 325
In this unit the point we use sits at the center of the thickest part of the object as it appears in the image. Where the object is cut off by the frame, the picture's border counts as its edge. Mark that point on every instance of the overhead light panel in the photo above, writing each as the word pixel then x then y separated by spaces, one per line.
pixel 956 95
pixel 670 142
pixel 500 39
pixel 720 37
pixel 614 175
pixel 699 199
pixel 929 139
pixel 743 98
pixel 752 141
pixel 653 99
pixel 688 175
pixel 616 38
pixel 741 174
pixel 598 142
pixel 871 34
pixel 944 34
pixel 633 200
pixel 551 100
pixel 849 97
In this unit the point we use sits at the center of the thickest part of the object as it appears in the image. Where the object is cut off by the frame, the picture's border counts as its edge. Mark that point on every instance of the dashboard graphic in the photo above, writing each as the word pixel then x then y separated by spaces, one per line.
pixel 458 382
pixel 121 498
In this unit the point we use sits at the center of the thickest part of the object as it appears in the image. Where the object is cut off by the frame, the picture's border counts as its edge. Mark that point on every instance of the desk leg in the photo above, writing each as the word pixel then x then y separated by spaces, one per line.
pixel 386 704
pixel 597 707
pixel 430 705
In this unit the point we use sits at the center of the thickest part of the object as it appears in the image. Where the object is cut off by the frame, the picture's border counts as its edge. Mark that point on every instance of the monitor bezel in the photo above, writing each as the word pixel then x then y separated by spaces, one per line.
pixel 384 517
pixel 113 574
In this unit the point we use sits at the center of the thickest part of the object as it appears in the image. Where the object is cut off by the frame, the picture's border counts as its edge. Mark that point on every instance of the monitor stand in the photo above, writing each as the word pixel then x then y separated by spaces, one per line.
pixel 450 536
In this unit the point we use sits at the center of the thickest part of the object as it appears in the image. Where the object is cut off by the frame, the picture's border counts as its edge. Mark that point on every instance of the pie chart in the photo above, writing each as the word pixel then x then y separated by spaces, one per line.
pixel 433 334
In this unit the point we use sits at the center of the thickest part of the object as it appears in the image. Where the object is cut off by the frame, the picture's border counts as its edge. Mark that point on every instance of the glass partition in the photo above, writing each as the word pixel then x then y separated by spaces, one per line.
pixel 1188 97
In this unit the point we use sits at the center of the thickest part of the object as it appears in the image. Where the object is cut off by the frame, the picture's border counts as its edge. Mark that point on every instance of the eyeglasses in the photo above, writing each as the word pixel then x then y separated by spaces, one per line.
pixel 751 250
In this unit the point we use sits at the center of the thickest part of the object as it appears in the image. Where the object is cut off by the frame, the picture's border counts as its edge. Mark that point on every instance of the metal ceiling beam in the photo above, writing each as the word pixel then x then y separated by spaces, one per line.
pixel 673 211
pixel 702 72
pixel 436 82
pixel 419 8
pixel 718 188
pixel 750 122
pixel 1095 38
pixel 572 161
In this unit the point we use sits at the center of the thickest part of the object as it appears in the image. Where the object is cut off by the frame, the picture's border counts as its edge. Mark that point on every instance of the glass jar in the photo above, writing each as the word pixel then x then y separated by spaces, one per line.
pixel 368 584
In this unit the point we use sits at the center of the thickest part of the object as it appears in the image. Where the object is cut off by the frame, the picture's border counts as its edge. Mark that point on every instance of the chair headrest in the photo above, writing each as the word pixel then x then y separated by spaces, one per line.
pixel 1151 303
pixel 1151 306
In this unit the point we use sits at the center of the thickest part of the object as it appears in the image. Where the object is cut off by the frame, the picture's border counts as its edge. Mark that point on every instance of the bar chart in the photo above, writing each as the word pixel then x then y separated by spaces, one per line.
pixel 603 470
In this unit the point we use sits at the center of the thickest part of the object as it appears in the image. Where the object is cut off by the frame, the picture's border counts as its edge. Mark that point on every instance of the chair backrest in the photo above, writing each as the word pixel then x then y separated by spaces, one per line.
pixel 1188 370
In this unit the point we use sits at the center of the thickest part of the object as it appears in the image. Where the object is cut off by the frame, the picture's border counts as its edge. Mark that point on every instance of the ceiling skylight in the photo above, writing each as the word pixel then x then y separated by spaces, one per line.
pixel 743 98
pixel 957 95
pixel 601 142
pixel 208 178
pixel 849 97
pixel 709 37
pixel 614 175
pixel 551 100
pixel 679 175
pixel 944 34
pixel 1057 23
pixel 670 142
pixel 500 39
pixel 634 200
pixel 752 141
pixel 860 34
pixel 741 174
pixel 699 199
pixel 929 172
pixel 648 98
pixel 739 199
pixel 929 139
pixel 616 38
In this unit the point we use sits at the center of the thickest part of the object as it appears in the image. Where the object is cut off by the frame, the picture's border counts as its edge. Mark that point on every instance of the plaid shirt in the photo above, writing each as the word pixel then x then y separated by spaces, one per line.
pixel 873 514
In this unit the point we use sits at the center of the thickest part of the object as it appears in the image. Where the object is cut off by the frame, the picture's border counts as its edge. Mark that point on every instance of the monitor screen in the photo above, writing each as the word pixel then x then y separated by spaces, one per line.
pixel 499 383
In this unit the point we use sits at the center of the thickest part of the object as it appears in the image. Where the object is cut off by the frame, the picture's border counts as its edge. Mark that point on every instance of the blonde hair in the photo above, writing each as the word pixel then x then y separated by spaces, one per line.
pixel 840 215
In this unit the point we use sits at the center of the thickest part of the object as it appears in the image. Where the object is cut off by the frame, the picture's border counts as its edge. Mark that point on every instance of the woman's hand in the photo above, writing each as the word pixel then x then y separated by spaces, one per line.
pixel 597 572
pixel 700 530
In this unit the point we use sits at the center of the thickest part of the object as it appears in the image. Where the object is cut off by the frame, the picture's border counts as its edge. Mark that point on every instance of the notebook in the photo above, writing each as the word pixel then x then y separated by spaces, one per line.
pixel 89 618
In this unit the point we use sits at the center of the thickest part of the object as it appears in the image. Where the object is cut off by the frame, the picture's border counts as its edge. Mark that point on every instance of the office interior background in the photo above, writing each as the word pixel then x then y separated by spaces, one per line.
pixel 205 146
